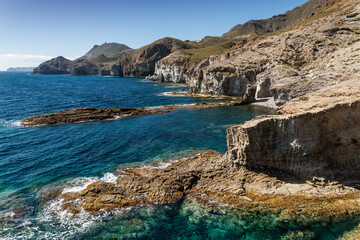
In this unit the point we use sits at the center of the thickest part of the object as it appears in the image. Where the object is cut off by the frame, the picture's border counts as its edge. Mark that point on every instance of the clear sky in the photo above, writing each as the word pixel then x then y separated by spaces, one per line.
pixel 32 31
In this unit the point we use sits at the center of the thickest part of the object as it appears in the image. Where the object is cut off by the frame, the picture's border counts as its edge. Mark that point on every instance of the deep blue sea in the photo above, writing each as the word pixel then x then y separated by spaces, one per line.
pixel 36 159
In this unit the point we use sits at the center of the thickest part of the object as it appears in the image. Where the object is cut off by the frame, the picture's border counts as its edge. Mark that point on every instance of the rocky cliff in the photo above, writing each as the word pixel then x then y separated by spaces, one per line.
pixel 165 72
pixel 322 143
pixel 283 65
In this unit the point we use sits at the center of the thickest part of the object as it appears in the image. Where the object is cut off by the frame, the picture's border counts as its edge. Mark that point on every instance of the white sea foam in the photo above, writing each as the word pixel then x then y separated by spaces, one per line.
pixel 186 104
pixel 160 165
pixel 176 86
pixel 109 177
pixel 66 224
pixel 10 123
pixel 171 94
pixel 79 184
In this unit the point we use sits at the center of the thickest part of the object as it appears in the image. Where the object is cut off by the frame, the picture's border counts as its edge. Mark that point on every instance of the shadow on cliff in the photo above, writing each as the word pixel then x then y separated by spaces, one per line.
pixel 316 180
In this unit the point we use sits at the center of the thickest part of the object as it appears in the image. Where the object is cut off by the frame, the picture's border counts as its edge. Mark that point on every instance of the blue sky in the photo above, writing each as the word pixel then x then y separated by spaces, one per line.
pixel 35 30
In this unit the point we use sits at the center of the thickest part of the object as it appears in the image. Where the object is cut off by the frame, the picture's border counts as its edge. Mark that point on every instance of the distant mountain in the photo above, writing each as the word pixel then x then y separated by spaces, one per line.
pixel 20 69
pixel 106 49
pixel 114 59
pixel 260 27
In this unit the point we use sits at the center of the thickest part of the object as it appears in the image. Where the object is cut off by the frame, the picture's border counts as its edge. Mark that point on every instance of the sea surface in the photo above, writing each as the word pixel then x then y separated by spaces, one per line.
pixel 34 160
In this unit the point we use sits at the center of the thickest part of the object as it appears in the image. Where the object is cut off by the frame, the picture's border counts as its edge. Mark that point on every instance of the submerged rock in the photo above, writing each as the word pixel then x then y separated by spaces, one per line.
pixel 86 114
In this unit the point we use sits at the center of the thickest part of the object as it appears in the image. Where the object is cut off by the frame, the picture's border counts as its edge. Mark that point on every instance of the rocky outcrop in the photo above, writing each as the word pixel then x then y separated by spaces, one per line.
pixel 312 141
pixel 169 73
pixel 92 114
pixel 249 96
pixel 59 65
pixel 86 114
pixel 306 145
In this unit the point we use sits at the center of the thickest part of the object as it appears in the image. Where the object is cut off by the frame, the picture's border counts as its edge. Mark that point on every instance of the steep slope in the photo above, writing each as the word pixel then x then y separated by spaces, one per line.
pixel 260 27
pixel 141 62
pixel 106 49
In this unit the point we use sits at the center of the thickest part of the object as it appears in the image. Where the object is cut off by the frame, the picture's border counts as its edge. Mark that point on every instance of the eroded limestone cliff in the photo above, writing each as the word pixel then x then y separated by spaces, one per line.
pixel 319 137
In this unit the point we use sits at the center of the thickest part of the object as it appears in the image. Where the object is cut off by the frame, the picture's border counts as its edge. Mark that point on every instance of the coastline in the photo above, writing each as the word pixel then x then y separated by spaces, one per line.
pixel 79 115
pixel 246 182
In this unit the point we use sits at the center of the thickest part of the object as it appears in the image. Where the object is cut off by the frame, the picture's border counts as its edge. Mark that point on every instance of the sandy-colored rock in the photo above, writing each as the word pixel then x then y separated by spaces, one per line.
pixel 320 139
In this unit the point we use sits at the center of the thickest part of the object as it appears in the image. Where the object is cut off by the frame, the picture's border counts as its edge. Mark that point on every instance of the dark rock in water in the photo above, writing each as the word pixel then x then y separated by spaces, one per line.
pixel 59 65
pixel 85 114
pixel 92 114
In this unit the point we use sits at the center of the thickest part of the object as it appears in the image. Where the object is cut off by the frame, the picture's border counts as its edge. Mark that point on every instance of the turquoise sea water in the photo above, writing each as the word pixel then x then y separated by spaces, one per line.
pixel 36 159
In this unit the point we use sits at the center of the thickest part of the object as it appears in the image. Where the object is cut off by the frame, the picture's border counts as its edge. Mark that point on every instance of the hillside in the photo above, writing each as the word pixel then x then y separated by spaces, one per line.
pixel 260 27
pixel 316 52
pixel 106 49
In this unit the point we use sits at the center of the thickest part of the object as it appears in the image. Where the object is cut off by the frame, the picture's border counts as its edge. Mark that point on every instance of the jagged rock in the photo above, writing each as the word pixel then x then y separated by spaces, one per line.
pixel 168 73
pixel 263 86
pixel 249 96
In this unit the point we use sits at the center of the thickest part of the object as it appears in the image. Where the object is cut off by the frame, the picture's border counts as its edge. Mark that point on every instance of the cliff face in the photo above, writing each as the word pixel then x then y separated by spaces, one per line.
pixel 322 139
pixel 165 72
pixel 284 65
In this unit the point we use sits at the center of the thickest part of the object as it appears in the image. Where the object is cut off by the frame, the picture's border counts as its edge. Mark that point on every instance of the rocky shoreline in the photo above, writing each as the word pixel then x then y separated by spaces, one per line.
pixel 195 178
pixel 301 165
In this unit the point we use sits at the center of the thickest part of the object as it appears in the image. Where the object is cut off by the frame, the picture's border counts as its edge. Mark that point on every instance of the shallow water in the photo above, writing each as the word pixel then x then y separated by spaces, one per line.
pixel 36 159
